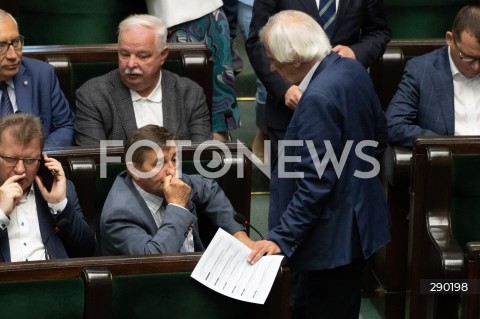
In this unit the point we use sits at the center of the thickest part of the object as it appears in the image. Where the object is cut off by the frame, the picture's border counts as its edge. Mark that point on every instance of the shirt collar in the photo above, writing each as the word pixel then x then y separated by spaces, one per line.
pixel 152 201
pixel 306 80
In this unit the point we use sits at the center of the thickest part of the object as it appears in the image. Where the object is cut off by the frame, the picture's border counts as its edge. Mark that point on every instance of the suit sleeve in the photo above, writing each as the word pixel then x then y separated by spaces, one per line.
pixel 61 131
pixel 77 237
pixel 212 203
pixel 275 85
pixel 309 202
pixel 199 123
pixel 125 232
pixel 402 113
pixel 89 126
pixel 374 35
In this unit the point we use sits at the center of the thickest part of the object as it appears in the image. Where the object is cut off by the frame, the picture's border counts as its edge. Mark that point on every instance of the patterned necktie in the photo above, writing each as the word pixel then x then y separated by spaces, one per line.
pixel 5 103
pixel 327 15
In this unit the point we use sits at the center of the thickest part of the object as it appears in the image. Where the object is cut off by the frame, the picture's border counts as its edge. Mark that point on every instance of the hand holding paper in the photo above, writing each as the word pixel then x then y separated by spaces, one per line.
pixel 224 268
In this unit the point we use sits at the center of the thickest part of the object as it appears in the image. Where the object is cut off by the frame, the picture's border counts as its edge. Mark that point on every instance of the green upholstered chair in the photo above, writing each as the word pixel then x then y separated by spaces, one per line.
pixel 444 220
pixel 171 295
pixel 421 18
pixel 73 22
pixel 42 299
pixel 465 198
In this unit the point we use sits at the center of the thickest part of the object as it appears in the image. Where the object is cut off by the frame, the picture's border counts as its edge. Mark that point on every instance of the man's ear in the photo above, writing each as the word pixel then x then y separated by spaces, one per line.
pixel 164 54
pixel 132 170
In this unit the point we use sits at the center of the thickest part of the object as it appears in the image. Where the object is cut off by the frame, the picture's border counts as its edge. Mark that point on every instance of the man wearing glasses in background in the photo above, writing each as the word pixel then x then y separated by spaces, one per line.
pixel 440 91
pixel 37 221
pixel 31 86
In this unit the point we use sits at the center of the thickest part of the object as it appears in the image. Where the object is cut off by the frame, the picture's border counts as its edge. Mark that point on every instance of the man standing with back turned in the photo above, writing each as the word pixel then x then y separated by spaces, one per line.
pixel 329 218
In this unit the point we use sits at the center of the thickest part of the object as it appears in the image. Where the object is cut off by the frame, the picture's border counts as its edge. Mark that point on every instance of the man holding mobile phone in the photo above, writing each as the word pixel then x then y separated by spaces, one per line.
pixel 29 212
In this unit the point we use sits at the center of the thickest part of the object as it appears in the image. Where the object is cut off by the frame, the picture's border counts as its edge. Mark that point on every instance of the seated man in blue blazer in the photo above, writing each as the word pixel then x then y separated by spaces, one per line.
pixel 150 211
pixel 38 220
pixel 439 91
pixel 31 86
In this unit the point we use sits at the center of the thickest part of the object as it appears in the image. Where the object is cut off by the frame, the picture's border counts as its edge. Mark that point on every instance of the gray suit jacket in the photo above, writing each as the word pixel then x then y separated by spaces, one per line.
pixel 127 227
pixel 105 109
pixel 424 102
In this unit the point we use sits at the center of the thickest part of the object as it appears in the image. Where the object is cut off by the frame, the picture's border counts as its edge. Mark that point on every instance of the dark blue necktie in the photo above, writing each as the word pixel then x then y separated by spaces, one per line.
pixel 327 15
pixel 5 103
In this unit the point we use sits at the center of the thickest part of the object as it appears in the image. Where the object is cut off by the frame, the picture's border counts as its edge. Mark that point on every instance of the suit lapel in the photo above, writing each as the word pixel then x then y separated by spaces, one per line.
pixel 5 248
pixel 23 91
pixel 443 88
pixel 310 7
pixel 342 8
pixel 123 100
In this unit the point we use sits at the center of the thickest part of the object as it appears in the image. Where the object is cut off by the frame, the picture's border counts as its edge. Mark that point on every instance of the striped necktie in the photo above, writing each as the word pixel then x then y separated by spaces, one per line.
pixel 5 103
pixel 327 15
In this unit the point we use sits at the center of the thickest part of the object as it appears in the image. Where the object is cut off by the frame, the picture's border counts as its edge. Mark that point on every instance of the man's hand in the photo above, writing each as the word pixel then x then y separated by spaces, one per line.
pixel 261 248
pixel 59 187
pixel 344 51
pixel 292 96
pixel 176 191
pixel 242 236
pixel 10 194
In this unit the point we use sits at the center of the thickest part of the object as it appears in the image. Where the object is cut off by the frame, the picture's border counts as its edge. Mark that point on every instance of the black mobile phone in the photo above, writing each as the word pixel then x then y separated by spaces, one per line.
pixel 46 175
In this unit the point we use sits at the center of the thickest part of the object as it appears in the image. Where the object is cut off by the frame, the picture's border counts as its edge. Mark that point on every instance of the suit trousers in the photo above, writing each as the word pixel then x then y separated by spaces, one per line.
pixel 328 294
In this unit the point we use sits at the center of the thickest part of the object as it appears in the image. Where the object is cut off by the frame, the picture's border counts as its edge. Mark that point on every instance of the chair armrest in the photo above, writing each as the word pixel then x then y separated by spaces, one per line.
pixel 450 252
pixel 397 165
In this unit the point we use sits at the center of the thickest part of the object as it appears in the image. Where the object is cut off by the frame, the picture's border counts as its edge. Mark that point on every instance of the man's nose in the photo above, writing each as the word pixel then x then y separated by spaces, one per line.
pixel 20 167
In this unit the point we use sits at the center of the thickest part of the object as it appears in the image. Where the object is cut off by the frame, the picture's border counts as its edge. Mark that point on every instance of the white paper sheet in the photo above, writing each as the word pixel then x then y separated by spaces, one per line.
pixel 223 267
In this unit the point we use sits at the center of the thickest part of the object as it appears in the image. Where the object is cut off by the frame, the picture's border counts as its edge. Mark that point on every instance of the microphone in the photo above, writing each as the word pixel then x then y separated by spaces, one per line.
pixel 61 223
pixel 241 219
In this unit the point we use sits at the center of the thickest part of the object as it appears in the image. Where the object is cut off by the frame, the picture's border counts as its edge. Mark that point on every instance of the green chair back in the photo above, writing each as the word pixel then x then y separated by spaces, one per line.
pixel 465 198
pixel 42 299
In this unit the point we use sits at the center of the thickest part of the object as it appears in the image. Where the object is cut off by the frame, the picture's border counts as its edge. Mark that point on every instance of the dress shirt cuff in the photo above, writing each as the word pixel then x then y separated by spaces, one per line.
pixel 4 220
pixel 58 207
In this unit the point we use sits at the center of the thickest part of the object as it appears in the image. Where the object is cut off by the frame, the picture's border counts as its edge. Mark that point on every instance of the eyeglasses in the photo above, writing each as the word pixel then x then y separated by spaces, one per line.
pixel 16 43
pixel 464 58
pixel 467 59
pixel 12 161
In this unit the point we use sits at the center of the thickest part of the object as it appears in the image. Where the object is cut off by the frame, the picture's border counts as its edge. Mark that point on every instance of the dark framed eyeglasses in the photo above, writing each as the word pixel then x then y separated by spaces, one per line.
pixel 466 59
pixel 12 161
pixel 16 43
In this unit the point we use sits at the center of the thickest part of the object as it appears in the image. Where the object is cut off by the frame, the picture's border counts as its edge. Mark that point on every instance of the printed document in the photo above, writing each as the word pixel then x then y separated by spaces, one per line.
pixel 223 267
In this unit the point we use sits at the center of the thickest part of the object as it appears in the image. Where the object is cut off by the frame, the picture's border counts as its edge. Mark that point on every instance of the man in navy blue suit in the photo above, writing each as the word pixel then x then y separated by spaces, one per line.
pixel 359 31
pixel 30 210
pixel 328 212
pixel 32 86
pixel 439 91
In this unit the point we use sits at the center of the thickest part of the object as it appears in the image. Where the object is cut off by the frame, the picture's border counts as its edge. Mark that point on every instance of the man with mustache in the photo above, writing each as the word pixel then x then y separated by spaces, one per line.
pixel 139 92
pixel 30 86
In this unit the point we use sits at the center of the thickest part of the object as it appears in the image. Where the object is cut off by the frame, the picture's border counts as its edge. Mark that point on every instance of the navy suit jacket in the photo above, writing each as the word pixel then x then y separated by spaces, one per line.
pixel 359 24
pixel 128 228
pixel 75 239
pixel 37 91
pixel 322 223
pixel 424 101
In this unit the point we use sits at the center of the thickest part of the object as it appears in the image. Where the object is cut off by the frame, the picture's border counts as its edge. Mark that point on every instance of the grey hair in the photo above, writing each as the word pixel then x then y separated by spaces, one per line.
pixel 295 36
pixel 148 21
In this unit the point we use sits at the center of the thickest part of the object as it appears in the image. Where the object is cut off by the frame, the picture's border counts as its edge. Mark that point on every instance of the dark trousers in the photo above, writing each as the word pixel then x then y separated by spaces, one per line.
pixel 328 294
